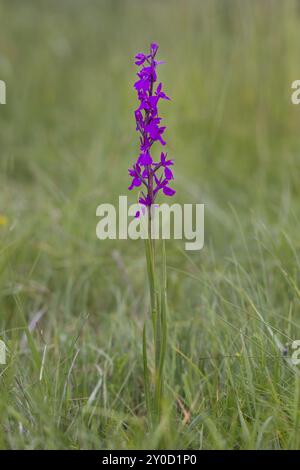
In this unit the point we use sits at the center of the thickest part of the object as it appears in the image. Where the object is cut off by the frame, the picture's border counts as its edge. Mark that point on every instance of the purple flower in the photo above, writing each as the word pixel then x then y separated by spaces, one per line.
pixel 140 59
pixel 154 176
pixel 145 159
pixel 165 164
pixel 145 200
pixel 168 191
pixel 136 180
pixel 153 48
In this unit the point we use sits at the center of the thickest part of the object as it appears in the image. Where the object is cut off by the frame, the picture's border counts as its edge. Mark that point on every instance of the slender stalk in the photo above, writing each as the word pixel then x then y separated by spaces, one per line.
pixel 158 314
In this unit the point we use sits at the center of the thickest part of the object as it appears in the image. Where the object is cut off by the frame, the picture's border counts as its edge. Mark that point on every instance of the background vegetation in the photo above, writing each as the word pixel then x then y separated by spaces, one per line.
pixel 67 138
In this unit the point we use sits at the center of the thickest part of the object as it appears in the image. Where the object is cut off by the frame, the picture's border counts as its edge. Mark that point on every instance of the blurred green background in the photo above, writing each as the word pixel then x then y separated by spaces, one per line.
pixel 67 138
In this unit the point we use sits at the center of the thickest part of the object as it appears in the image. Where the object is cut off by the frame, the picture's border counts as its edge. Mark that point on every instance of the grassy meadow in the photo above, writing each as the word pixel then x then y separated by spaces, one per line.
pixel 72 307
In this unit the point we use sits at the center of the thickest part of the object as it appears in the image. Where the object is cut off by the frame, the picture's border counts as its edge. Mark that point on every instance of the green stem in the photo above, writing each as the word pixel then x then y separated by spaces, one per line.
pixel 159 324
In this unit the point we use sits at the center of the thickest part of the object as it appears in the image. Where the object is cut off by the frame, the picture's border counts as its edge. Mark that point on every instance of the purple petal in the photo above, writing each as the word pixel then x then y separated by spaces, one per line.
pixel 168 191
pixel 153 47
pixel 143 85
pixel 145 201
pixel 135 183
pixel 168 173
pixel 163 158
pixel 145 159
pixel 140 59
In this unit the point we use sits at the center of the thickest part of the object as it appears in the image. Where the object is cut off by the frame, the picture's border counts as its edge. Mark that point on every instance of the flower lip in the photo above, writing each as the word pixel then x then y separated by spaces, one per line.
pixel 140 59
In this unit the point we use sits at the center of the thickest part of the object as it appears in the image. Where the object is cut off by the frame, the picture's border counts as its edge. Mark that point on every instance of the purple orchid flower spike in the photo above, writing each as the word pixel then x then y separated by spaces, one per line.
pixel 154 177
